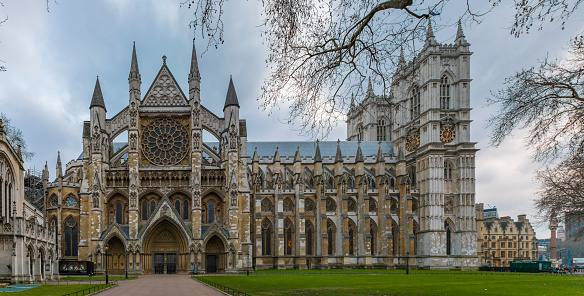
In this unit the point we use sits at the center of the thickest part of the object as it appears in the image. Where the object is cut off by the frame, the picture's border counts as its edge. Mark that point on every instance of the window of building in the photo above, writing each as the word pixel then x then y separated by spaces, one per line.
pixel 360 133
pixel 144 210
pixel 351 238
pixel 288 206
pixel 372 206
pixel 309 232
pixel 444 92
pixel 266 237
pixel 331 206
pixel 448 238
pixel 330 231
pixel 414 102
pixel 185 209
pixel 308 205
pixel 288 237
pixel 71 237
pixel 152 207
pixel 266 205
pixel 381 130
pixel 177 206
pixel 119 213
pixel 372 233
pixel 211 212
pixel 351 205
pixel 447 171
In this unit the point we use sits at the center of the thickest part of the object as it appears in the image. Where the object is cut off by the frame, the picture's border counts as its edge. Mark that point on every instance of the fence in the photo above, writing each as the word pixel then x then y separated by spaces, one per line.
pixel 92 289
pixel 220 287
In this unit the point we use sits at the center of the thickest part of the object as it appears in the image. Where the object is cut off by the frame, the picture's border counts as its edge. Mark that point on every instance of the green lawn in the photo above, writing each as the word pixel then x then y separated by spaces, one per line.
pixel 50 290
pixel 96 278
pixel 386 282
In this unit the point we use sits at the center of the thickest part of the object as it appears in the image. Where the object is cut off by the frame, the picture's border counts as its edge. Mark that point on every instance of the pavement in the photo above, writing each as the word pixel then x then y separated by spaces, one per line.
pixel 161 284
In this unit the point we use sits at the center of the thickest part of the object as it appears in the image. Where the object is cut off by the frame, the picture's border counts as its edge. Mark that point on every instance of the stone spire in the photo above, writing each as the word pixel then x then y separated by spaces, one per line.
pixel 297 155
pixel 359 155
pixel 134 71
pixel 339 155
pixel 352 106
pixel 430 40
pixel 97 100
pixel 459 34
pixel 317 156
pixel 45 175
pixel 380 157
pixel 194 73
pixel 255 157
pixel 370 93
pixel 231 99
pixel 277 155
pixel 59 166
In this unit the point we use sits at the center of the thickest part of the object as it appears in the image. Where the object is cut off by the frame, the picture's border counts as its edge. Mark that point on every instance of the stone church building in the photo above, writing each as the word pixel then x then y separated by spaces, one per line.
pixel 400 188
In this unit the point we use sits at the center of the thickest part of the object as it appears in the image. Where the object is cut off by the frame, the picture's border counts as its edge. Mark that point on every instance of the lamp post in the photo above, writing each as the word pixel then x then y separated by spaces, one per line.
pixel 106 274
pixel 408 262
pixel 126 264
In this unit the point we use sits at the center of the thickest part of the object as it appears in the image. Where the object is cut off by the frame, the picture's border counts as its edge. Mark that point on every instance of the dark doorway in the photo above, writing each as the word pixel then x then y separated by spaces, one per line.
pixel 171 263
pixel 159 263
pixel 211 263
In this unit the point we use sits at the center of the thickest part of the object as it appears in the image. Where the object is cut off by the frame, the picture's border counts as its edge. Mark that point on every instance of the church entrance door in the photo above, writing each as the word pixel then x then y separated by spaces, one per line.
pixel 212 263
pixel 171 263
pixel 158 263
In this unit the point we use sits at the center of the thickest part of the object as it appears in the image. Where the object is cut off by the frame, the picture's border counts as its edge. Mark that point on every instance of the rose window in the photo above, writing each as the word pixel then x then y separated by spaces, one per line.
pixel 165 142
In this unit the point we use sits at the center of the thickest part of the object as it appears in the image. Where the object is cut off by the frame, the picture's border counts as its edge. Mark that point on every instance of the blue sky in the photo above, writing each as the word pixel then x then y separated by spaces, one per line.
pixel 53 59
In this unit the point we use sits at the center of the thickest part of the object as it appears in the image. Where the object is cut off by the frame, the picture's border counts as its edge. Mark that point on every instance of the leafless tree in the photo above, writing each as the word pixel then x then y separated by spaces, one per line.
pixel 322 51
pixel 15 137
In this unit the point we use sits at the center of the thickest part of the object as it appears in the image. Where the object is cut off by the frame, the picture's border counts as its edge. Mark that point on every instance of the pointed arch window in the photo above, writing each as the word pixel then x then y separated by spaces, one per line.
pixel 71 237
pixel 448 238
pixel 185 209
pixel 144 210
pixel 330 231
pixel 444 92
pixel 309 232
pixel 211 212
pixel 152 207
pixel 352 230
pixel 381 130
pixel 331 206
pixel 414 102
pixel 177 206
pixel 372 205
pixel 288 206
pixel 266 205
pixel 266 237
pixel 288 238
pixel 395 235
pixel 373 234
pixel 119 213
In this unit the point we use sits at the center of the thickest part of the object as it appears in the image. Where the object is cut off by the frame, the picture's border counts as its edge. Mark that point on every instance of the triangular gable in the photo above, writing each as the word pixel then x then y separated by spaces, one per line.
pixel 164 91
pixel 163 209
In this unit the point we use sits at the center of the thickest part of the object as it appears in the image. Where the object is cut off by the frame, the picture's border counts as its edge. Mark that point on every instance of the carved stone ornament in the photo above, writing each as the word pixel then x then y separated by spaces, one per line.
pixel 233 137
pixel 196 140
pixel 449 205
pixel 165 141
pixel 133 114
pixel 196 114
pixel 233 195
pixel 96 138
pixel 133 140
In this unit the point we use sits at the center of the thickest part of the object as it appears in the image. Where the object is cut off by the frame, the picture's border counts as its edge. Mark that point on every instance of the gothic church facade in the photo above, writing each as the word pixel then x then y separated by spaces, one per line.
pixel 164 201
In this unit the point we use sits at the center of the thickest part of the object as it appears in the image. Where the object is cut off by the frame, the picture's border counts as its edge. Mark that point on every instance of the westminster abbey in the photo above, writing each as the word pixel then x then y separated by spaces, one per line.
pixel 400 190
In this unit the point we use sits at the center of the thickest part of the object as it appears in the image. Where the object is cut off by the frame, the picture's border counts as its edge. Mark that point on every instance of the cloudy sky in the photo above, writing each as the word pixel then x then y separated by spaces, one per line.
pixel 53 59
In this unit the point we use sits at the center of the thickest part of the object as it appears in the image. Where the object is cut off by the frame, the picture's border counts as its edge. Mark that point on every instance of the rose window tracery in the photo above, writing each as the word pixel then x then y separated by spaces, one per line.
pixel 165 142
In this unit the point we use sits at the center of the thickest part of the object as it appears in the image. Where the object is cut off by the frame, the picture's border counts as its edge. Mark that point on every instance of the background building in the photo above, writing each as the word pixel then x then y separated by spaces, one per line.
pixel 502 240
pixel 28 250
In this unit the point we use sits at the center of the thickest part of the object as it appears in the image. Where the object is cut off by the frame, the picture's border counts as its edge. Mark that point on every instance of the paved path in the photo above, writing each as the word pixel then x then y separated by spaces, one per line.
pixel 161 284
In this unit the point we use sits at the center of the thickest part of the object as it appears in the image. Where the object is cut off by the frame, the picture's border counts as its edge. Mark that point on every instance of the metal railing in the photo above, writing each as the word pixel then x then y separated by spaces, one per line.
pixel 220 287
pixel 92 289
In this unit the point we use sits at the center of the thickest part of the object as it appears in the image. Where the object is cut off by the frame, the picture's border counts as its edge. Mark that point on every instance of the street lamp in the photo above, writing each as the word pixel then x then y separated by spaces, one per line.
pixel 106 274
pixel 126 264
pixel 408 262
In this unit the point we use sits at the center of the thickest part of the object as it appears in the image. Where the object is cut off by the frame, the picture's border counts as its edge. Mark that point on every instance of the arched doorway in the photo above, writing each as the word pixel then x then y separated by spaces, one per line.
pixel 165 250
pixel 116 261
pixel 215 255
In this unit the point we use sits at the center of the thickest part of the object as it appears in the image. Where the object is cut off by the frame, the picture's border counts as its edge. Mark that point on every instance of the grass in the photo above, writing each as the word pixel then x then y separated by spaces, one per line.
pixel 50 290
pixel 96 278
pixel 392 282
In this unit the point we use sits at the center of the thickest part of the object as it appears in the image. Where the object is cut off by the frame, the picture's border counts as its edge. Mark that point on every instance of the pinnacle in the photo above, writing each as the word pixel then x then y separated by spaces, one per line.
pixel 97 99
pixel 231 99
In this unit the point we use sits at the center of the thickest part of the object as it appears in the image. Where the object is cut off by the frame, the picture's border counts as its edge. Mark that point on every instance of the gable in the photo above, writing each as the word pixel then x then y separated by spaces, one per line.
pixel 164 91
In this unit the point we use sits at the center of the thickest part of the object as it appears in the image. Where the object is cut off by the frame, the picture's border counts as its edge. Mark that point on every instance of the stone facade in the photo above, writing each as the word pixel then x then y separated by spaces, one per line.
pixel 502 240
pixel 164 201
pixel 27 245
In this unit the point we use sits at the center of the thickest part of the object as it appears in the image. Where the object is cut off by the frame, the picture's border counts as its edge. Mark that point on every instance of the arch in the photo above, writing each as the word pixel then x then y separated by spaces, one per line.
pixel 309 205
pixel 288 205
pixel 445 92
pixel 111 234
pixel 116 254
pixel 373 236
pixel 395 237
pixel 71 236
pixel 113 194
pixel 71 201
pixel 288 237
pixel 330 205
pixel 372 205
pixel 212 208
pixel 165 235
pixel 215 254
pixel 267 230
pixel 267 205
pixel 331 231
pixel 351 204
pixel 309 232
pixel 352 231
pixel 448 170
pixel 449 228
pixel 414 99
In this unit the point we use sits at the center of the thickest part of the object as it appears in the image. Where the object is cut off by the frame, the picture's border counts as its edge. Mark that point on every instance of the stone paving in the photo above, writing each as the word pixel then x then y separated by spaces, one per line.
pixel 161 284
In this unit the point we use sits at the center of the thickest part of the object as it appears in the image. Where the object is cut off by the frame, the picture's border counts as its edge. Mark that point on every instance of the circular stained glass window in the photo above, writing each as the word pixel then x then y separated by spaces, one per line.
pixel 71 201
pixel 165 142
pixel 54 202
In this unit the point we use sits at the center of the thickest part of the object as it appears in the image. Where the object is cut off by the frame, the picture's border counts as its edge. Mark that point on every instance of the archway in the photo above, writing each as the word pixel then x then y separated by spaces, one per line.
pixel 165 250
pixel 116 261
pixel 215 255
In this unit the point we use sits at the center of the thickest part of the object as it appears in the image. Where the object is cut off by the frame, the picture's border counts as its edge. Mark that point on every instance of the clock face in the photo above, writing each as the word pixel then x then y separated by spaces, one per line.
pixel 447 134
pixel 413 142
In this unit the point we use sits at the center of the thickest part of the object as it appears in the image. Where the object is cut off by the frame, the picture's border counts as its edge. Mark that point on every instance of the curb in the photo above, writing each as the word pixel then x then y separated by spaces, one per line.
pixel 211 287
